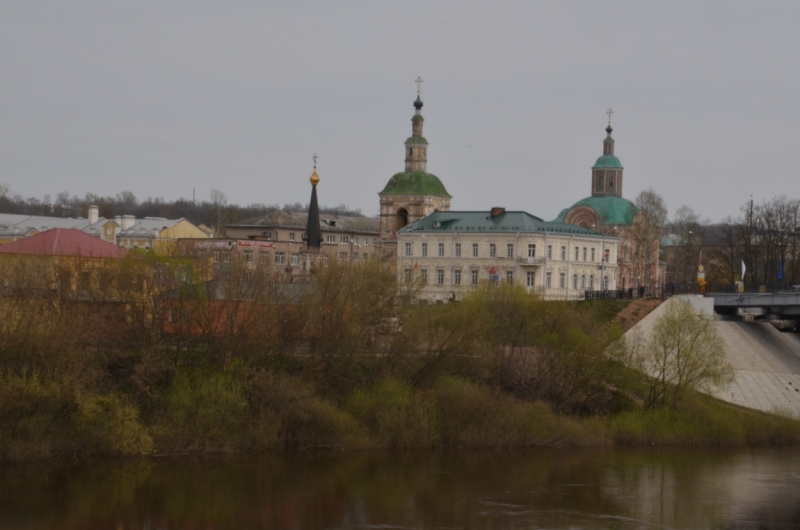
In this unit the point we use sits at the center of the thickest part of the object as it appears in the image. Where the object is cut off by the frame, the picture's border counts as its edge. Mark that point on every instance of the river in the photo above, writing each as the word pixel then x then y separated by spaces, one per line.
pixel 537 488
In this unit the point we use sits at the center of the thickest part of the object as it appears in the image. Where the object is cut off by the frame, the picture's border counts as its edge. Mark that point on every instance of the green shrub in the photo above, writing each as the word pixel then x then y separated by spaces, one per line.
pixel 396 415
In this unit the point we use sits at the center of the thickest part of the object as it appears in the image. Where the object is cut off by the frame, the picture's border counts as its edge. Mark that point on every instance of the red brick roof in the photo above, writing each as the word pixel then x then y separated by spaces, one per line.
pixel 64 242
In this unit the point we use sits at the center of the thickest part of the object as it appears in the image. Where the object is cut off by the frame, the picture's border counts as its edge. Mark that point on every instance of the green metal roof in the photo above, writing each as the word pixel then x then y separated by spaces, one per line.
pixel 416 140
pixel 611 210
pixel 607 162
pixel 483 222
pixel 417 117
pixel 415 183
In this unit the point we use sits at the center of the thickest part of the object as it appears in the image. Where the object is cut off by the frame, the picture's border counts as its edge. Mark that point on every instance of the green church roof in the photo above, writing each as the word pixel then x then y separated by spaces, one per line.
pixel 483 222
pixel 415 183
pixel 416 140
pixel 607 162
pixel 611 210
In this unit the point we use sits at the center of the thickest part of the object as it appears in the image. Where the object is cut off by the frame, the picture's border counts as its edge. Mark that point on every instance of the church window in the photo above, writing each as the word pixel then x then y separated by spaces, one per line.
pixel 531 250
pixel 458 250
pixel 474 250
pixel 510 250
pixel 548 279
pixel 441 249
pixel 424 250
pixel 408 249
pixel 492 250
pixel 457 276
pixel 530 278
pixel 610 182
pixel 563 252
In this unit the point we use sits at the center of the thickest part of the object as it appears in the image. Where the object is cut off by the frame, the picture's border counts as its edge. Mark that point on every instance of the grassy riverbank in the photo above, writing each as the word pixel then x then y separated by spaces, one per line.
pixel 341 364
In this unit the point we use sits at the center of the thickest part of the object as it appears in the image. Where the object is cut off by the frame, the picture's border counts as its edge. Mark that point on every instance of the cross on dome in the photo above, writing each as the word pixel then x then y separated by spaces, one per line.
pixel 609 112
pixel 418 81
pixel 314 158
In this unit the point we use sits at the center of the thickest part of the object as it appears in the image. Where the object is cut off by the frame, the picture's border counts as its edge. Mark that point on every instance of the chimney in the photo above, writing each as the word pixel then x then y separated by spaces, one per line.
pixel 497 210
pixel 127 221
pixel 93 214
pixel 118 220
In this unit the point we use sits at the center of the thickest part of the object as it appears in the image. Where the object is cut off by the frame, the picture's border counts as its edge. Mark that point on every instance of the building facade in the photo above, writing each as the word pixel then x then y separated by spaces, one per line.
pixel 446 254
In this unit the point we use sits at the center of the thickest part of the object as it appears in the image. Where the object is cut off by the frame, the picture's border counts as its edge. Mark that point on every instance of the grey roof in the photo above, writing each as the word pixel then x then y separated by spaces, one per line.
pixel 145 227
pixel 16 224
pixel 328 223
pixel 483 222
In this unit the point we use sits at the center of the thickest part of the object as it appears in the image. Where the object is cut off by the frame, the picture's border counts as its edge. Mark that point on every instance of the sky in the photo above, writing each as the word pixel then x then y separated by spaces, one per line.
pixel 163 98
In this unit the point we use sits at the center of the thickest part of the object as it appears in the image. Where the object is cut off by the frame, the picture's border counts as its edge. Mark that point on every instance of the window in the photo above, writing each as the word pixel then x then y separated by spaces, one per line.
pixel 583 281
pixel 343 256
pixel 355 241
pixel 331 239
pixel 563 252
pixel 509 277
pixel 474 250
pixel 366 241
pixel 364 256
pixel 423 276
pixel 266 234
pixel 263 257
pixel 492 250
pixel 626 252
pixel 344 240
pixel 577 253
pixel 591 282
pixel 592 254
pixel 355 256
pixel 409 275
pixel 441 249
pixel 510 250
pixel 226 257
pixel 247 256
pixel 530 278
pixel 424 250
pixel 531 250
pixel 295 259
pixel 605 283
pixel 216 256
pixel 458 250
pixel 440 276
pixel 408 249
pixel 291 236
pixel 279 259
pixel 548 279
pixel 457 276
pixel 606 253
pixel 562 280
pixel 474 276
pixel 374 240
pixel 574 281
pixel 549 251
pixel 584 253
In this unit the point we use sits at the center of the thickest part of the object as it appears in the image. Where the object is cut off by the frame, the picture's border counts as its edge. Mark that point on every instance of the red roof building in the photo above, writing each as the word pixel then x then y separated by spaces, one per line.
pixel 64 242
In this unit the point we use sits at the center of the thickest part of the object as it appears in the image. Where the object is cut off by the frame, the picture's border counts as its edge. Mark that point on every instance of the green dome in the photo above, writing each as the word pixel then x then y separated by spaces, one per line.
pixel 611 210
pixel 415 183
pixel 607 162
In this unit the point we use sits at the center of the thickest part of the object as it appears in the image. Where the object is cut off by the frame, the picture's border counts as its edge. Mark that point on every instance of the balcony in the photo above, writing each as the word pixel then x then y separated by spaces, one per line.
pixel 531 262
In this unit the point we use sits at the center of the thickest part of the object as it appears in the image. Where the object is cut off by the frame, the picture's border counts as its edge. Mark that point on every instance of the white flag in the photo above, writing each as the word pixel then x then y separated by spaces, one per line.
pixel 744 269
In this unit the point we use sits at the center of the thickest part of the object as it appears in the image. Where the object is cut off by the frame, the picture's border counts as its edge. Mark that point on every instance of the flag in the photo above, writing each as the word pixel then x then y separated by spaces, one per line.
pixel 780 270
pixel 744 269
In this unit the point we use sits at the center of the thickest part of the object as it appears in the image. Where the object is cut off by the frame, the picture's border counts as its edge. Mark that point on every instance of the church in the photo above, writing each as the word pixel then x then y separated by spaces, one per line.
pixel 446 253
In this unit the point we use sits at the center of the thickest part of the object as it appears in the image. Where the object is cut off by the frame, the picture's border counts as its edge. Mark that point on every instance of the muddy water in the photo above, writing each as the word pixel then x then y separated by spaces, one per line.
pixel 619 489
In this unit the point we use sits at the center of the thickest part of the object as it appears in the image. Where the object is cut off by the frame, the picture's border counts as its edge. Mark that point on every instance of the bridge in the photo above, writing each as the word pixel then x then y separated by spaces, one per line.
pixel 775 303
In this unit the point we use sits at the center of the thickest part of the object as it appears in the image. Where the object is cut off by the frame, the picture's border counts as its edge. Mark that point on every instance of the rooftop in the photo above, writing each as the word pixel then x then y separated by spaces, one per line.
pixel 611 210
pixel 64 242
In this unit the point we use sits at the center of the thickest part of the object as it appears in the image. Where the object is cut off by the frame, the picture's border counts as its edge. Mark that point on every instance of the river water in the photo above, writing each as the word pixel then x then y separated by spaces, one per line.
pixel 609 488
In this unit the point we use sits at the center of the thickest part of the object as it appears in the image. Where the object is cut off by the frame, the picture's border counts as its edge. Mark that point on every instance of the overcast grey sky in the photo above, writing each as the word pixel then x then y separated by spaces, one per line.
pixel 160 97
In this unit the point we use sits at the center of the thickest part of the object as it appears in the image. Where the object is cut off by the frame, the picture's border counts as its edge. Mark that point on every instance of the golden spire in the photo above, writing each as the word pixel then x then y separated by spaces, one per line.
pixel 314 177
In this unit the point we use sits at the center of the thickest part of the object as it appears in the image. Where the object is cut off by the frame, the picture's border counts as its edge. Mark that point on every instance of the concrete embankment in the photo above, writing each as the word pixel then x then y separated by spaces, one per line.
pixel 766 361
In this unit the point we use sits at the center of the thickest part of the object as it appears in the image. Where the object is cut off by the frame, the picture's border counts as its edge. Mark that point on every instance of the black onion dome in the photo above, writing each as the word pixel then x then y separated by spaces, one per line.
pixel 609 129
pixel 418 103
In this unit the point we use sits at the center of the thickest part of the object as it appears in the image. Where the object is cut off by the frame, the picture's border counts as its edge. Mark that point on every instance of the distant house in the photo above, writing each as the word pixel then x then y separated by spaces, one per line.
pixel 14 227
pixel 155 233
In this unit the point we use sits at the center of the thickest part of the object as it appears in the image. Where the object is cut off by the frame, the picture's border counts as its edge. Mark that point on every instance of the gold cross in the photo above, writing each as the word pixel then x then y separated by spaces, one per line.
pixel 314 158
pixel 418 81
pixel 609 112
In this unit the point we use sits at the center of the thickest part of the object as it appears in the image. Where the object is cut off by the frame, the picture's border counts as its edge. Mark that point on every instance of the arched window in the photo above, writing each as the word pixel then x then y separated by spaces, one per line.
pixel 591 282
pixel 402 219
pixel 574 281
pixel 583 281
pixel 605 283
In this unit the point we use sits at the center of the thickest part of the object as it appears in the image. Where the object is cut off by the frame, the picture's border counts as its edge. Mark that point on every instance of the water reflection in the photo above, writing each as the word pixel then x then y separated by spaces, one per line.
pixel 445 489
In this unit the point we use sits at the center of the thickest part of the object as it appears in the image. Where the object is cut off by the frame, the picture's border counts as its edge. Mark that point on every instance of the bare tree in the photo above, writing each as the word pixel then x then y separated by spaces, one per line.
pixel 646 234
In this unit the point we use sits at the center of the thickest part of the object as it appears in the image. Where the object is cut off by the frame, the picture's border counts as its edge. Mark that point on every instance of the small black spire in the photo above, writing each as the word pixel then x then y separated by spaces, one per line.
pixel 313 235
pixel 609 129
pixel 418 103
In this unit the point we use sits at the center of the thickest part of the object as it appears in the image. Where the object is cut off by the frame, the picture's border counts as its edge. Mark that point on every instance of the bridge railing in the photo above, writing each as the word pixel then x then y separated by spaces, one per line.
pixel 671 289
pixel 624 294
